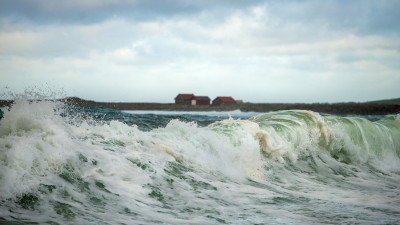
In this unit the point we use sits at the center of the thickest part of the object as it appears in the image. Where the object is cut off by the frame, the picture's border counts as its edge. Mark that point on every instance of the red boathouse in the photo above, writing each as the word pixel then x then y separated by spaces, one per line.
pixel 184 99
pixel 201 100
pixel 223 100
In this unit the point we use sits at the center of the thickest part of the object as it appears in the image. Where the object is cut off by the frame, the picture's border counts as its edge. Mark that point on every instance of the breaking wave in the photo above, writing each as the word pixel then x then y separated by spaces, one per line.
pixel 71 165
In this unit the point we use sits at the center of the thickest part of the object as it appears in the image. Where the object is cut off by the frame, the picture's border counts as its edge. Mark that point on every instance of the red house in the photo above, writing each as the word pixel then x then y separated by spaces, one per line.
pixel 201 100
pixel 184 99
pixel 191 99
pixel 223 100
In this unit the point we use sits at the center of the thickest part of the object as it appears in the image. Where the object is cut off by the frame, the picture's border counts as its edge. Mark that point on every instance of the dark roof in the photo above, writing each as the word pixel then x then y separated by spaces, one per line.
pixel 202 98
pixel 185 96
pixel 225 99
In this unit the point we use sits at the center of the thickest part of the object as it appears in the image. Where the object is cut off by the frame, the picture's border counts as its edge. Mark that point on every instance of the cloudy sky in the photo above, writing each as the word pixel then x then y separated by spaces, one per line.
pixel 149 51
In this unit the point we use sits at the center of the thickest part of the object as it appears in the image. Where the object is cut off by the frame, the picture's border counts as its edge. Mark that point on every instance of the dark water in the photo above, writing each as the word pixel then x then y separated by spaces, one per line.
pixel 61 165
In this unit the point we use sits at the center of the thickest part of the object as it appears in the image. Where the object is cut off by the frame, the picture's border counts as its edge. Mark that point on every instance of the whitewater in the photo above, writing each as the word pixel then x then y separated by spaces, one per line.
pixel 73 165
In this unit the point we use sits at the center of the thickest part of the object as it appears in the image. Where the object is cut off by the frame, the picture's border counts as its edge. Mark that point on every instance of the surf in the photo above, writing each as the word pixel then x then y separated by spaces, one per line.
pixel 95 165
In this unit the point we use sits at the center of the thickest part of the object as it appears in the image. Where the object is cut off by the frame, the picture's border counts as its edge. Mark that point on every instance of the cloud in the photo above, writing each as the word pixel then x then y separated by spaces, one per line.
pixel 259 51
pixel 93 11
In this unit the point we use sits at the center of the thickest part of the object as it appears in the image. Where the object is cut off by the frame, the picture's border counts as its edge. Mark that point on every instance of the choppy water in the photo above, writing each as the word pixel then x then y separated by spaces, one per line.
pixel 62 165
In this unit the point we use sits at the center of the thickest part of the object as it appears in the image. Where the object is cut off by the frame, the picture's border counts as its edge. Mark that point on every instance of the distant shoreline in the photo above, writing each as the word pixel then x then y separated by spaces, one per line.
pixel 334 108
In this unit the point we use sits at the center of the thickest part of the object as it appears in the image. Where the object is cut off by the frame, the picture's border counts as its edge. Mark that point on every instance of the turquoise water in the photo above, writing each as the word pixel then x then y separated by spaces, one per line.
pixel 63 165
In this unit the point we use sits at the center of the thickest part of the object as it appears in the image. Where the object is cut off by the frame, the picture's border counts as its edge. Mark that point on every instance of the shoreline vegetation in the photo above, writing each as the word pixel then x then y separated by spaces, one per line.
pixel 350 108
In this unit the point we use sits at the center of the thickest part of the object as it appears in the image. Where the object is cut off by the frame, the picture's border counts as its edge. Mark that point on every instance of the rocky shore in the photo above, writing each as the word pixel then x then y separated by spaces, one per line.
pixel 335 108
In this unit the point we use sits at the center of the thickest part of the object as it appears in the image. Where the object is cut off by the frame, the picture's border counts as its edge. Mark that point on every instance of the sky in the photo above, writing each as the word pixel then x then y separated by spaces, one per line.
pixel 285 51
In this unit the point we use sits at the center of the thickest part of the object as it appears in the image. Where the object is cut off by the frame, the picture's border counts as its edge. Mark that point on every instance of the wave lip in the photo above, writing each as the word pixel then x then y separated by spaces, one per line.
pixel 347 139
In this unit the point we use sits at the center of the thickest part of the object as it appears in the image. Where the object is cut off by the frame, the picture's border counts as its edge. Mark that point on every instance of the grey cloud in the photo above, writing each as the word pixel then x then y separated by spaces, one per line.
pixel 89 11
pixel 360 17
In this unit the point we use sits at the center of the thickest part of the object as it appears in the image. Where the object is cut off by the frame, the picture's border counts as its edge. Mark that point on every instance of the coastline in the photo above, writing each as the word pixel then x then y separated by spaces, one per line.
pixel 329 108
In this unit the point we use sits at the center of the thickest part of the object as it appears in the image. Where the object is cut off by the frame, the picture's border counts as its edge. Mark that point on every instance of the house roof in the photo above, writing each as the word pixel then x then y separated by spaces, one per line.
pixel 206 98
pixel 225 99
pixel 185 96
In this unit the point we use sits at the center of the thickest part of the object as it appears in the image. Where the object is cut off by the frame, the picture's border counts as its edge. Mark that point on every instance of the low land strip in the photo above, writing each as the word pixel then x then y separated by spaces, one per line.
pixel 334 108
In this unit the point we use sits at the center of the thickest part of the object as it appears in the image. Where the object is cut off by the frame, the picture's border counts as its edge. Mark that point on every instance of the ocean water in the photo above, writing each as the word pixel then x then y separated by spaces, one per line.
pixel 65 165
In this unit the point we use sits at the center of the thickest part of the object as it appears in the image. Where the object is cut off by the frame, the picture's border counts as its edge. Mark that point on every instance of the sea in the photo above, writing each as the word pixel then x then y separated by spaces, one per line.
pixel 61 164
